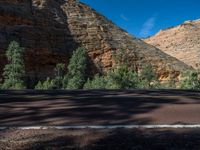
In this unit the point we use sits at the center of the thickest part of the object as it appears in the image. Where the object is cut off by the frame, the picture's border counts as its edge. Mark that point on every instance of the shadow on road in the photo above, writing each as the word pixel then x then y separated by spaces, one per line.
pixel 28 108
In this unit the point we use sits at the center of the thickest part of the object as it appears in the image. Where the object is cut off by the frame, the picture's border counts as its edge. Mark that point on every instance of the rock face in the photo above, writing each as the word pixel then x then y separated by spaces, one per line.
pixel 182 42
pixel 51 29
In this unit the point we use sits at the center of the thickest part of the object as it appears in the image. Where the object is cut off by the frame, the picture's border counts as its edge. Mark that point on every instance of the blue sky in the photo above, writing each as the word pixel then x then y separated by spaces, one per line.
pixel 144 18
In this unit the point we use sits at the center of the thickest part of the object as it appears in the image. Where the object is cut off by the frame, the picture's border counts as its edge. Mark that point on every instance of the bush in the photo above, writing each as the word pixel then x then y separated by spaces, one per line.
pixel 46 85
pixel 190 80
pixel 76 82
pixel 99 82
pixel 55 83
pixel 148 78
pixel 122 78
pixel 14 71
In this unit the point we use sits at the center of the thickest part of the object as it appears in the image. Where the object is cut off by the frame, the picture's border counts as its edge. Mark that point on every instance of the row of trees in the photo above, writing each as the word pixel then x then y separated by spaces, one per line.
pixel 122 76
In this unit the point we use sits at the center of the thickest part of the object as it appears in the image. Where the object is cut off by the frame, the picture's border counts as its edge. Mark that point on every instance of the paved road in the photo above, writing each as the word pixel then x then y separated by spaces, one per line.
pixel 37 108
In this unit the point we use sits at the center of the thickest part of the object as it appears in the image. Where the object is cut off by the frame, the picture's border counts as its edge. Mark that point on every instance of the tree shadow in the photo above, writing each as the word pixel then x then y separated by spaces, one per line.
pixel 95 107
pixel 149 139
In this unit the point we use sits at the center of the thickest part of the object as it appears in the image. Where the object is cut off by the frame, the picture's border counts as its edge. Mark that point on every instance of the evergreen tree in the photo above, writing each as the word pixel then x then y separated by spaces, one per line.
pixel 14 71
pixel 76 69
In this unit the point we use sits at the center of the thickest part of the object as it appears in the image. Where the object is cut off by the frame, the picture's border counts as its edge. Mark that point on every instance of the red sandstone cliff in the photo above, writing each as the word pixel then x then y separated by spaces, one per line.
pixel 51 29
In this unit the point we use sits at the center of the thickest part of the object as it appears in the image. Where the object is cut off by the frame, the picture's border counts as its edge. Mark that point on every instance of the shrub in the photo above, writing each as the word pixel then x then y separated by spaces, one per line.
pixel 55 83
pixel 148 78
pixel 122 78
pixel 46 85
pixel 76 82
pixel 98 82
pixel 190 80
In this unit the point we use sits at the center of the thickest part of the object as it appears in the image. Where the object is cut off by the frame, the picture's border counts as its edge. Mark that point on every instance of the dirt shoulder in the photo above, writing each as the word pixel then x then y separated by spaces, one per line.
pixel 119 139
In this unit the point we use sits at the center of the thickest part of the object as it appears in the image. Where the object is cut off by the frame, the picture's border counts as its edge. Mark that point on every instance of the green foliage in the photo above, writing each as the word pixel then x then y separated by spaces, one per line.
pixel 74 79
pixel 122 78
pixel 46 85
pixel 76 82
pixel 65 81
pixel 99 82
pixel 14 71
pixel 190 80
pixel 148 78
pixel 59 76
pixel 60 70
pixel 55 83
pixel 76 69
pixel 78 62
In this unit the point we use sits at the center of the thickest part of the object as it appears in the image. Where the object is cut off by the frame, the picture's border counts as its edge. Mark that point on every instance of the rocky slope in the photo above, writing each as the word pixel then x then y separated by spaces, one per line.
pixel 182 42
pixel 51 29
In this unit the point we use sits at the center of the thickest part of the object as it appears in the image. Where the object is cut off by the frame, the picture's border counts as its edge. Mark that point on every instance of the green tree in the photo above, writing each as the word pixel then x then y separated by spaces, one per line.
pixel 14 71
pixel 77 69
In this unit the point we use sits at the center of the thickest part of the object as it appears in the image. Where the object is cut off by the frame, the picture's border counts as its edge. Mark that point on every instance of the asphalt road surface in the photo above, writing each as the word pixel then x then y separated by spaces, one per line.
pixel 128 107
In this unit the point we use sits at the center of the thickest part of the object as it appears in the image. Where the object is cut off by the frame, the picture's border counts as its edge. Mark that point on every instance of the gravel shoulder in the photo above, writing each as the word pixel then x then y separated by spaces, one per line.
pixel 118 139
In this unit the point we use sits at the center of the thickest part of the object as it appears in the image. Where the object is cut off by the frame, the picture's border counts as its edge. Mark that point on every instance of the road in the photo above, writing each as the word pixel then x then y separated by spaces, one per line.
pixel 114 107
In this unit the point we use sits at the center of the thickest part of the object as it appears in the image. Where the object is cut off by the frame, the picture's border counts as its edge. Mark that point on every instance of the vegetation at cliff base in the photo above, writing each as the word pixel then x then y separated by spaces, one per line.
pixel 74 76
pixel 191 80
pixel 14 71
pixel 73 79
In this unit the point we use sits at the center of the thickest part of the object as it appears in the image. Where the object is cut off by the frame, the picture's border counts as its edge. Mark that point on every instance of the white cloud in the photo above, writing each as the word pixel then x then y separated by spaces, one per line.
pixel 122 16
pixel 147 27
